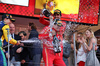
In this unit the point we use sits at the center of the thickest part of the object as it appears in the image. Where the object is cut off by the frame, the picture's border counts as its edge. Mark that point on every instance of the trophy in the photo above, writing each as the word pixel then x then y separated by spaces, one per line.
pixel 56 44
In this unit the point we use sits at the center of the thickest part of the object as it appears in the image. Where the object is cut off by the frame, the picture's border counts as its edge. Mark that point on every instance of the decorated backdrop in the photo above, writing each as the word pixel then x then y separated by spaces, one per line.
pixel 79 11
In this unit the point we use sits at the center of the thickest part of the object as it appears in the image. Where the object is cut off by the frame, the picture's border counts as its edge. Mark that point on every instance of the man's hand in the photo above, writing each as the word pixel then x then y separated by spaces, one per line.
pixel 53 32
pixel 7 55
pixel 19 50
pixel 4 50
pixel 21 44
pixel 23 61
pixel 41 15
pixel 18 42
pixel 51 17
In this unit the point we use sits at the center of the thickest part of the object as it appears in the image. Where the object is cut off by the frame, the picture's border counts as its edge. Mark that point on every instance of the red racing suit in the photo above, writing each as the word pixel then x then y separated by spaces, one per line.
pixel 47 23
pixel 49 56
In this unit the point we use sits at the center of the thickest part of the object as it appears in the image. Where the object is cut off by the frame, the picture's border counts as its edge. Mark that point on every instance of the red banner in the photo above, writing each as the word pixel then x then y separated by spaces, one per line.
pixel 88 11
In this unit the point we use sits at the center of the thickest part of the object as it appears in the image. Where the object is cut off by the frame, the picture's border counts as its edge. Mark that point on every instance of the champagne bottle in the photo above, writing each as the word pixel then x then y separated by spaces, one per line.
pixel 46 12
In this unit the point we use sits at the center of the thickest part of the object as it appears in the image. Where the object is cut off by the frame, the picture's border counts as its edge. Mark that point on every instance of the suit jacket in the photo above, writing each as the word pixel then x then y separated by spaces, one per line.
pixel 66 52
pixel 29 51
pixel 25 55
pixel 35 48
pixel 13 49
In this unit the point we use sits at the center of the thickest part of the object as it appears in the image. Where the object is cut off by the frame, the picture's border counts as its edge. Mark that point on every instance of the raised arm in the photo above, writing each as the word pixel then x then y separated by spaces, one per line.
pixel 5 35
pixel 92 41
pixel 43 21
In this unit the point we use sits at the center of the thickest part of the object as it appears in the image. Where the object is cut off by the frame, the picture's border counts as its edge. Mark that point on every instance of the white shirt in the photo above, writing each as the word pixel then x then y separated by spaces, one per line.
pixel 13 35
pixel 81 55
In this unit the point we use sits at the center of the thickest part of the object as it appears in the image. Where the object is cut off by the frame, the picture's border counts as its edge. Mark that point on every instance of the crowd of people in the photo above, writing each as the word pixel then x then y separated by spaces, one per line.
pixel 56 48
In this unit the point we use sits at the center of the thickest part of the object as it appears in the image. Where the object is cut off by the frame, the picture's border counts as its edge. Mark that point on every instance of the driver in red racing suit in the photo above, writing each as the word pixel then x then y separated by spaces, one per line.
pixel 49 56
pixel 57 15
